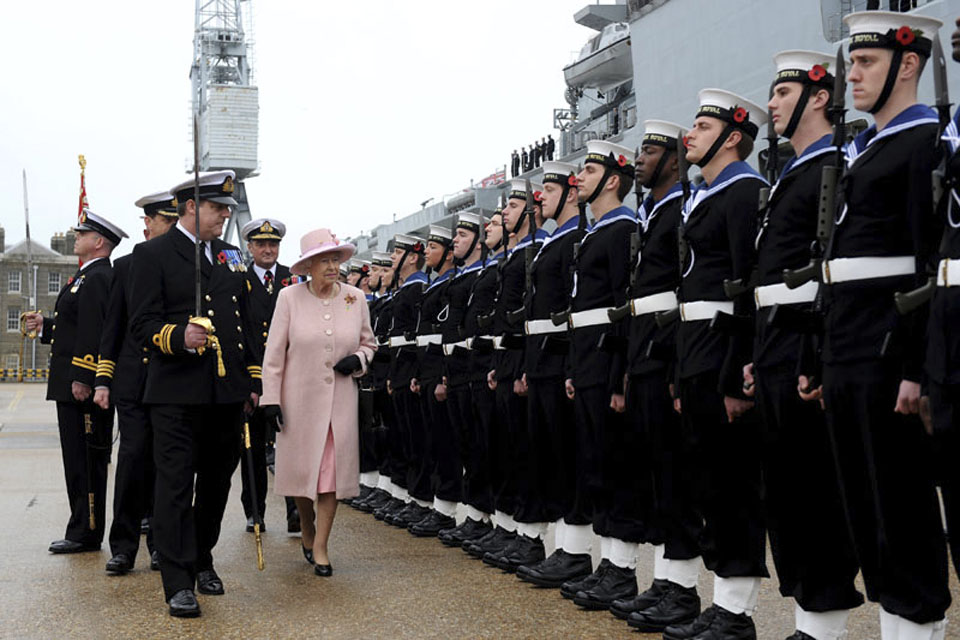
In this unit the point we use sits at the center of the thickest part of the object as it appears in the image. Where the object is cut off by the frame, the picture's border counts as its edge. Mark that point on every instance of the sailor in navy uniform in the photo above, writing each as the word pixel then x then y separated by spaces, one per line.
pixel 74 334
pixel 943 339
pixel 672 524
pixel 381 274
pixel 468 254
pixel 265 278
pixel 509 439
pixel 478 325
pixel 595 381
pixel 809 539
pixel 717 244
pixel 883 241
pixel 409 281
pixel 435 441
pixel 121 372
pixel 198 381
pixel 551 427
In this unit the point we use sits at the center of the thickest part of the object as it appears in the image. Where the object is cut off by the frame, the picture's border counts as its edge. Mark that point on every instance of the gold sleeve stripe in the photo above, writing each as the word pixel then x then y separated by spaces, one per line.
pixel 255 371
pixel 87 362
pixel 162 339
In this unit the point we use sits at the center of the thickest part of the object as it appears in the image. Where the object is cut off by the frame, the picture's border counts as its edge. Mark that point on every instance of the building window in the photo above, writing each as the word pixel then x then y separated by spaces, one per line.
pixel 13 318
pixel 53 283
pixel 13 282
pixel 12 361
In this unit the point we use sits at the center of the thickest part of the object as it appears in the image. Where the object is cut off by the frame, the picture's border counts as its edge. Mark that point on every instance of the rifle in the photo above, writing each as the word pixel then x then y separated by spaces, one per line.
pixel 636 243
pixel 664 318
pixel 559 317
pixel 529 253
pixel 829 183
pixel 942 182
pixel 486 321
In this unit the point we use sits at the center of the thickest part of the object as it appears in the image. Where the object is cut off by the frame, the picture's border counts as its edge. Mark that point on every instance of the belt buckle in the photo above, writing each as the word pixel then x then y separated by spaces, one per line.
pixel 683 311
pixel 826 272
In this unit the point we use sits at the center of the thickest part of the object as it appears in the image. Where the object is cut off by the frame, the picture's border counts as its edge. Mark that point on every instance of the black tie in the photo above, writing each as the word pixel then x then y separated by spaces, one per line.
pixel 268 282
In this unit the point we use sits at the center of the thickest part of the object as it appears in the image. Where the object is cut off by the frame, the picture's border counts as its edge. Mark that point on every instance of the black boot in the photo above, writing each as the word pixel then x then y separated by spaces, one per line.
pixel 472 546
pixel 392 505
pixel 431 525
pixel 617 583
pixel 413 514
pixel 716 623
pixel 623 608
pixel 468 530
pixel 571 588
pixel 560 567
pixel 493 544
pixel 524 550
pixel 374 501
pixel 678 606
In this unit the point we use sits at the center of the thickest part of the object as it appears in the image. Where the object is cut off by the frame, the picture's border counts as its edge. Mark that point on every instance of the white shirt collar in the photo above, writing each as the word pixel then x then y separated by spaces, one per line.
pixel 208 250
pixel 90 262
pixel 260 271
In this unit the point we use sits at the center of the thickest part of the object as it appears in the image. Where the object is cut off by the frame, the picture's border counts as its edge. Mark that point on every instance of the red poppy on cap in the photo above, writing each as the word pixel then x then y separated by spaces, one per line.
pixel 622 160
pixel 538 196
pixel 572 180
pixel 905 35
pixel 817 73
pixel 365 268
pixel 740 115
pixel 418 247
pixel 685 141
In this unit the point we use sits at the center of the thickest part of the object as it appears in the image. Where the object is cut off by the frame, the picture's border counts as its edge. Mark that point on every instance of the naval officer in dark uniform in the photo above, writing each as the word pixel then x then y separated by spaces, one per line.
pixel 265 278
pixel 200 378
pixel 121 372
pixel 883 241
pixel 74 334
pixel 811 546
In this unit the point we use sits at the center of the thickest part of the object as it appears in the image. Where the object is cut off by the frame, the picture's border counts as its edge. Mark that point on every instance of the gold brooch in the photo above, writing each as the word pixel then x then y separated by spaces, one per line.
pixel 350 298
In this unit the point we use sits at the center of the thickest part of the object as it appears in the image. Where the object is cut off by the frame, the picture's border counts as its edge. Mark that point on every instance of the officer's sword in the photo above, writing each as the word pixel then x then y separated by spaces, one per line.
pixel 257 519
pixel 91 498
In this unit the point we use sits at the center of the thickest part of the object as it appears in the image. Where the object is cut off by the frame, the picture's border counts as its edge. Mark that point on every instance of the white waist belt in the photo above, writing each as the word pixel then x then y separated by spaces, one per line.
pixel 850 269
pixel 433 338
pixel 703 309
pixel 653 303
pixel 498 343
pixel 771 294
pixel 448 348
pixel 537 327
pixel 400 341
pixel 590 318
pixel 948 273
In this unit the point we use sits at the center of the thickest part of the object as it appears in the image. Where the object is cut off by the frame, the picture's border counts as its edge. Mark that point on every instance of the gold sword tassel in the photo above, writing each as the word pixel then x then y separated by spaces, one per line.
pixel 256 521
pixel 88 430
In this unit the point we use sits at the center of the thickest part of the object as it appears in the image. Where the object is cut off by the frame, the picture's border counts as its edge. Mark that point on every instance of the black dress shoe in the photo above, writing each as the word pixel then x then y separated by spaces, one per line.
pixel 145 526
pixel 715 623
pixel 571 588
pixel 623 608
pixel 184 604
pixel 698 625
pixel 293 523
pixel 307 553
pixel 250 523
pixel 414 514
pixel 617 583
pixel 523 551
pixel 323 570
pixel 800 635
pixel 155 561
pixel 119 564
pixel 377 499
pixel 209 583
pixel 560 567
pixel 473 547
pixel 468 531
pixel 678 606
pixel 432 525
pixel 69 546
pixel 489 548
pixel 392 506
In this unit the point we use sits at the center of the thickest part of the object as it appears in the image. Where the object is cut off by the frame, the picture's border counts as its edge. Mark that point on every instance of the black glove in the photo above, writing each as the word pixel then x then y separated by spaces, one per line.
pixel 348 366
pixel 274 420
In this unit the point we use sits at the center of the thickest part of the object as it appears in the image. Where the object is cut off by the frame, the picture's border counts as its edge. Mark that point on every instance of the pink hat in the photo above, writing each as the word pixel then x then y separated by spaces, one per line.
pixel 316 242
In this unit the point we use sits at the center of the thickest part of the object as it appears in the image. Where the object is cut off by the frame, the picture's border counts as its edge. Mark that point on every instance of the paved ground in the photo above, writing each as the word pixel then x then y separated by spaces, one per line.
pixel 387 584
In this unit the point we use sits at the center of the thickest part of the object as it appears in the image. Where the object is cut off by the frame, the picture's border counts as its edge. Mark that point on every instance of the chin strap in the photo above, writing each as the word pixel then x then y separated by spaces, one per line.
pixel 563 201
pixel 712 151
pixel 661 164
pixel 798 111
pixel 607 171
pixel 891 80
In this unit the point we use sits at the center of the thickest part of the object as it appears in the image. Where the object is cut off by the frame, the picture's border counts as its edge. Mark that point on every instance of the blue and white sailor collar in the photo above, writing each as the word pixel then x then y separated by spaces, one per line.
pixel 470 268
pixel 951 135
pixel 417 276
pixel 649 208
pixel 540 235
pixel 814 150
pixel 733 172
pixel 567 227
pixel 616 215
pixel 443 277
pixel 913 116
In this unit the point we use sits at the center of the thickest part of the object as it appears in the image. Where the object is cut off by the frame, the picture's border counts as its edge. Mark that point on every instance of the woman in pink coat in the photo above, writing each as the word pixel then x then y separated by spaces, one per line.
pixel 320 340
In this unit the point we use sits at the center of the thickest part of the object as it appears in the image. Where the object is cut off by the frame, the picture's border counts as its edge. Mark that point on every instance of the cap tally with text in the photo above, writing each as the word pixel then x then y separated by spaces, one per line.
pixel 161 203
pixel 560 173
pixel 263 229
pixel 440 235
pixel 735 110
pixel 359 266
pixel 518 189
pixel 216 186
pixel 413 244
pixel 805 67
pixel 381 259
pixel 892 30
pixel 90 221
pixel 662 133
pixel 469 221
pixel 613 156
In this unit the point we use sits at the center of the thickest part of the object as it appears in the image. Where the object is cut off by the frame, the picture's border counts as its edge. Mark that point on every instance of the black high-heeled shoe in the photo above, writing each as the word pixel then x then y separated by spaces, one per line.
pixel 307 553
pixel 323 570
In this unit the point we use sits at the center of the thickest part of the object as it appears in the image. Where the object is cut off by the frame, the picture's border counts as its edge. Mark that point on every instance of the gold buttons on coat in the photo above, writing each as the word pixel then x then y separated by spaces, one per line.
pixel 240 346
pixel 210 312
pixel 207 297
pixel 264 324
pixel 56 313
pixel 53 328
pixel 146 360
pixel 234 298
pixel 145 350
pixel 264 334
pixel 239 330
pixel 238 314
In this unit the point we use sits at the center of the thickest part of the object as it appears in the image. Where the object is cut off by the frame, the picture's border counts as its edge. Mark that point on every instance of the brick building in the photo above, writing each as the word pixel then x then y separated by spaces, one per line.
pixel 53 266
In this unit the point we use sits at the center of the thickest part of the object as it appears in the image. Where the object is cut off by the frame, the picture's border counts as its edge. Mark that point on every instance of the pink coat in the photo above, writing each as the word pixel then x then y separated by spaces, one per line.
pixel 307 337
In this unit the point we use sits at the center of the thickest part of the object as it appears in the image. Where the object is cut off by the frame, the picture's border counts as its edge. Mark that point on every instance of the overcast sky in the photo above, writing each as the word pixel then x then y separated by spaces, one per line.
pixel 366 109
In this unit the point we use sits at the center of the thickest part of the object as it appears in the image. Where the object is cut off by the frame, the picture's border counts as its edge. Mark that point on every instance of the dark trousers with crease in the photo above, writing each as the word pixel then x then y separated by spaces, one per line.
pixel 665 486
pixel 885 466
pixel 383 409
pixel 81 467
pixel 726 479
pixel 420 469
pixel 133 481
pixel 188 441
pixel 809 538
pixel 478 488
pixel 399 438
pixel 510 419
pixel 551 468
pixel 258 447
pixel 368 437
pixel 447 476
pixel 945 407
